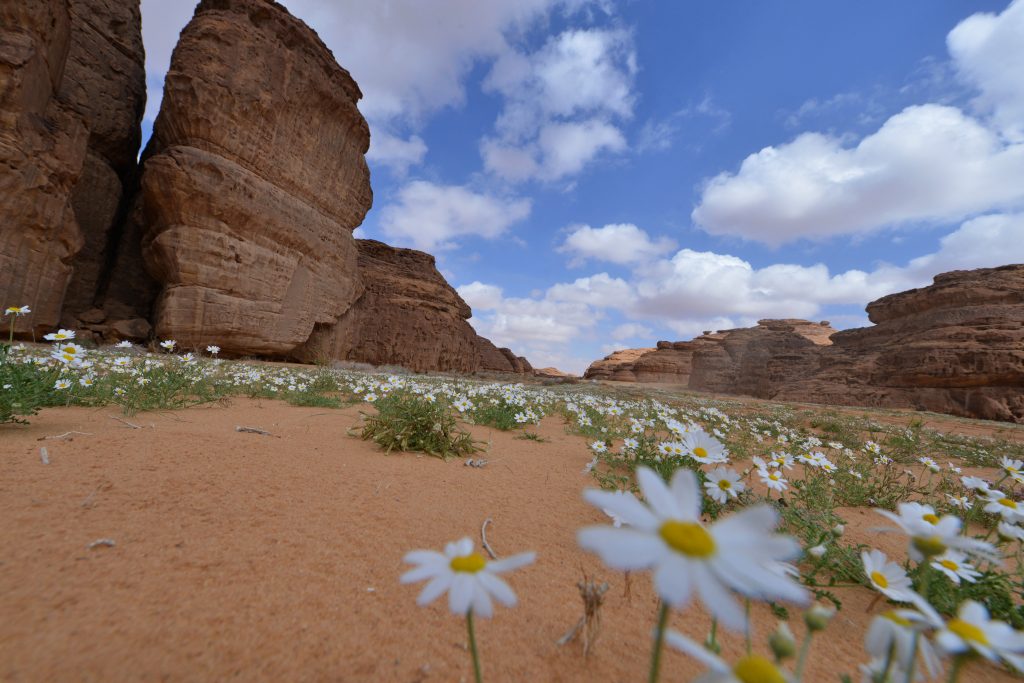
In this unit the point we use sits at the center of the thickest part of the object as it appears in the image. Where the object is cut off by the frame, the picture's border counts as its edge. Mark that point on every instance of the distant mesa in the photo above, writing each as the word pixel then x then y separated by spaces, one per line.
pixel 956 346
pixel 236 227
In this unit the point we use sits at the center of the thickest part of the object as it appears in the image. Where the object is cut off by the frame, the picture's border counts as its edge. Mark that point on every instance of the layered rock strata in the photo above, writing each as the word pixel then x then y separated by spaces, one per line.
pixel 408 315
pixel 43 145
pixel 253 182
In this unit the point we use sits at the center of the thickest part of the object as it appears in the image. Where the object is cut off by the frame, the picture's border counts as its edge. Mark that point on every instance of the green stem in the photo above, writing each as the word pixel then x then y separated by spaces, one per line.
pixel 913 658
pixel 888 664
pixel 472 647
pixel 746 608
pixel 802 659
pixel 954 673
pixel 659 641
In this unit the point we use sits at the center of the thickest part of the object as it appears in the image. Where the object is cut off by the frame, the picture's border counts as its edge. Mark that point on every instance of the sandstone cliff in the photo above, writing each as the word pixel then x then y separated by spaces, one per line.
pixel 408 315
pixel 956 346
pixel 253 182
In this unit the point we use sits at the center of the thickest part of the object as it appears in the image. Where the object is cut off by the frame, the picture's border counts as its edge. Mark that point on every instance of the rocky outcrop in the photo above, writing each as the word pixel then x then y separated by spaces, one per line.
pixel 956 346
pixel 616 366
pixel 105 82
pixel 408 315
pixel 253 182
pixel 756 361
pixel 72 92
pixel 42 149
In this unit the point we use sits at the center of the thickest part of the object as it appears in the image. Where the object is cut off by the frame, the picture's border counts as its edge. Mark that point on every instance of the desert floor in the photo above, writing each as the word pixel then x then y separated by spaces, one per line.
pixel 247 557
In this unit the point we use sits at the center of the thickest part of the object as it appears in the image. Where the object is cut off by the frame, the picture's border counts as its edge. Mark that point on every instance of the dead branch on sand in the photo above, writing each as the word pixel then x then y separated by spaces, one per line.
pixel 589 625
pixel 483 539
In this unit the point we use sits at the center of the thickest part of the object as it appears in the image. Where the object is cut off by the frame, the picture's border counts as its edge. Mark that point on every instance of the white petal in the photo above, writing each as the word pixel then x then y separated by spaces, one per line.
pixel 510 563
pixel 464 546
pixel 698 652
pixel 482 605
pixel 434 588
pixel 657 494
pixel 625 506
pixel 498 588
pixel 687 494
pixel 672 580
pixel 424 557
pixel 424 571
pixel 461 593
pixel 717 599
pixel 623 549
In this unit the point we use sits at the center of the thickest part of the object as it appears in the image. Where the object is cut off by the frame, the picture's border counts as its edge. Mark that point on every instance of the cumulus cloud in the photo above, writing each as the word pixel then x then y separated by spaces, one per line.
pixel 927 163
pixel 560 104
pixel 396 153
pixel 429 216
pixel 988 52
pixel 631 331
pixel 621 243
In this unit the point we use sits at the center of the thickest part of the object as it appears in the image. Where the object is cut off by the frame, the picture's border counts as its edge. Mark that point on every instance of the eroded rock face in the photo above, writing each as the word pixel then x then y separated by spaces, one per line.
pixel 755 361
pixel 408 315
pixel 42 149
pixel 104 82
pixel 956 346
pixel 616 366
pixel 253 183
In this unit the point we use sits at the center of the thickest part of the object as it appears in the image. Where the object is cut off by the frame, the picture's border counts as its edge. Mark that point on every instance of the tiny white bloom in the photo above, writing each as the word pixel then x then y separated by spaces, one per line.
pixel 469 579
pixel 723 484
pixel 60 335
pixel 168 344
pixel 954 565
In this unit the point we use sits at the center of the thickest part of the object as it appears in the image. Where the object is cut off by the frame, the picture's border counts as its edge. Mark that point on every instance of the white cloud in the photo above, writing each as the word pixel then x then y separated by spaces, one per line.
pixel 927 163
pixel 480 297
pixel 600 290
pixel 396 153
pixel 429 216
pixel 409 57
pixel 560 103
pixel 621 243
pixel 631 331
pixel 988 51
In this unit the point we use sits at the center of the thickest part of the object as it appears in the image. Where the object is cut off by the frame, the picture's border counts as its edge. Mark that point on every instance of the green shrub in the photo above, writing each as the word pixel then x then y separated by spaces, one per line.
pixel 407 421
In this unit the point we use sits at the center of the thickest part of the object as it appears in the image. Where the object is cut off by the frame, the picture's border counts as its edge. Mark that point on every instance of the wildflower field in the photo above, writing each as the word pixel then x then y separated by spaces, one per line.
pixel 173 516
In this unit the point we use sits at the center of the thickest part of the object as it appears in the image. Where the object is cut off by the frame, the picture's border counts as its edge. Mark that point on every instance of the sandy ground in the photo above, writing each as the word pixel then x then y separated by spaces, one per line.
pixel 276 558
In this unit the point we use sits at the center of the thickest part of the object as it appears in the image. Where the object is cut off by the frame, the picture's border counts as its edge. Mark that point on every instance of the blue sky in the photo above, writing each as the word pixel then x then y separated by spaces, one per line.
pixel 594 175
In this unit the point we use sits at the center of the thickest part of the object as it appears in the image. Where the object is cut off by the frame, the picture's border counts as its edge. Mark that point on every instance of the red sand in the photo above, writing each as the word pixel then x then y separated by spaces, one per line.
pixel 276 558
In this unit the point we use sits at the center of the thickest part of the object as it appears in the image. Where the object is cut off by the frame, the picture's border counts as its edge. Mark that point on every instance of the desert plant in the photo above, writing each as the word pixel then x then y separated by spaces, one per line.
pixel 407 421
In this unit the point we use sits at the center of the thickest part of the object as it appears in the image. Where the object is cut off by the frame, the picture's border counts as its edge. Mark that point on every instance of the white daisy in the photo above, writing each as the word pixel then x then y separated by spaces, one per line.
pixel 739 552
pixel 773 479
pixel 723 484
pixel 17 310
pixel 887 577
pixel 60 335
pixel 469 579
pixel 1004 506
pixel 62 384
pixel 749 669
pixel 973 631
pixel 899 632
pixel 1010 532
pixel 213 349
pixel 931 535
pixel 704 448
pixel 168 344
pixel 955 565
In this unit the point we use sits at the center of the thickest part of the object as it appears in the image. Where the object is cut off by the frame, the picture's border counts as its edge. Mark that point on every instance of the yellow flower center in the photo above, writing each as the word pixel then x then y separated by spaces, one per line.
pixel 966 631
pixel 930 546
pixel 930 518
pixel 688 538
pixel 950 565
pixel 470 564
pixel 724 484
pixel 896 619
pixel 1006 502
pixel 755 669
pixel 700 452
pixel 879 580
pixel 773 476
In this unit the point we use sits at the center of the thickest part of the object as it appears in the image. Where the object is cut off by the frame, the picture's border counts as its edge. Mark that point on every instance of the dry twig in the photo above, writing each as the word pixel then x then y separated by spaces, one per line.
pixel 483 539
pixel 589 625
pixel 126 422
pixel 253 430
pixel 66 436
pixel 101 542
pixel 44 455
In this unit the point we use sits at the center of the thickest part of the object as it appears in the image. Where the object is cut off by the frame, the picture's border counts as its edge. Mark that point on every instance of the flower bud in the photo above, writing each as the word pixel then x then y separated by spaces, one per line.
pixel 818 616
pixel 838 530
pixel 817 551
pixel 782 642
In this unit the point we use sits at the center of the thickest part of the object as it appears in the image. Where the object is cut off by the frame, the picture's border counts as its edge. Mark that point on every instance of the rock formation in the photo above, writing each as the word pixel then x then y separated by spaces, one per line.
pixel 616 366
pixel 72 91
pixel 253 182
pixel 408 315
pixel 956 346
pixel 42 149
pixel 238 230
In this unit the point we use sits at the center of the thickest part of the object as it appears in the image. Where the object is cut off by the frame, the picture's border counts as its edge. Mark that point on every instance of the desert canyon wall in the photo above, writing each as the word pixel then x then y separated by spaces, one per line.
pixel 236 228
pixel 956 346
